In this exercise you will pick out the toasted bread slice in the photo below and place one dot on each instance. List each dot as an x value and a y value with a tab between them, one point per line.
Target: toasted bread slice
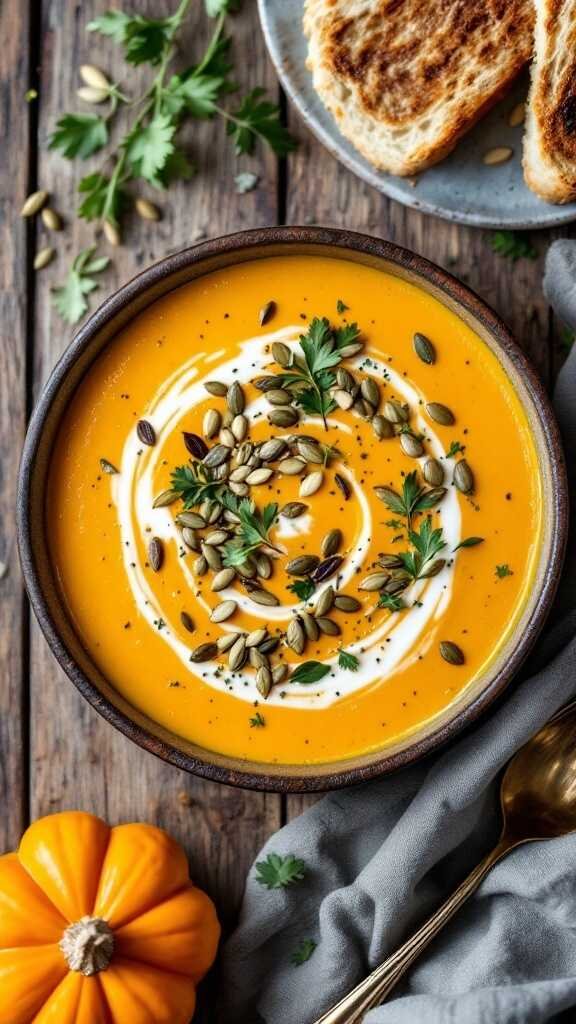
550	139
405	79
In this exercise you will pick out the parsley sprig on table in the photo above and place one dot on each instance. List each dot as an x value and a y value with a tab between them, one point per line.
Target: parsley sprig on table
70	298
514	245
149	148
277	872
311	376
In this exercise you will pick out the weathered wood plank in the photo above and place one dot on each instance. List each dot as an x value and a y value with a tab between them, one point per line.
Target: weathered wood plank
16	242
78	760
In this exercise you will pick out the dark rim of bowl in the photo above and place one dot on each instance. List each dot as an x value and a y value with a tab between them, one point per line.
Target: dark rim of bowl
346	241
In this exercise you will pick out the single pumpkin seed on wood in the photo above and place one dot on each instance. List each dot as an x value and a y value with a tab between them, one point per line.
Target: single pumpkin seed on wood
424	348
264	597
287	416
374	581
239	427
264	681
440	414
344	399
93	76
205	652
451	653
190	538
326	568
166	498
51	219
370	391
147	210
281	354
279	673
266	313
111	233
187	621
291	467
382	427
226	641
259	476
278	396
433	472
200	566
256	637
44	257
217	456
331	542
325	601
107	467
216	388
463	477
302	565
222	579
211	423
311	483
223	611
295	636
34	203
394	412
343	485
328	626
191	519
237	654
272	449
411	446
89	94
227	437
310	626
235	399
146	433
293	509
345	603
156	554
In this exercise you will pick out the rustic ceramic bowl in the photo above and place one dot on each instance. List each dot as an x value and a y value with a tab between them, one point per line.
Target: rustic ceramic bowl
84	349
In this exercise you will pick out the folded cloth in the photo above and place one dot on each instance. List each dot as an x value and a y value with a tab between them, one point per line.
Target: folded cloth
382	856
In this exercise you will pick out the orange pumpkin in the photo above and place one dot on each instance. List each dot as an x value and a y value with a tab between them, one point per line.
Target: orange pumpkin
101	925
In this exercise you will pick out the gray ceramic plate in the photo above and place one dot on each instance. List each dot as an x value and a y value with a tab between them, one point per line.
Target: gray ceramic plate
461	188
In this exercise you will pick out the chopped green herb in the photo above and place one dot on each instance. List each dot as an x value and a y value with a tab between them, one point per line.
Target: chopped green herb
341	307
348	661
469	542
503	570
277	872
513	245
257	721
303	589
303	952
454	449
309	672
255	527
194	483
414	497
258	118
70	297
394	524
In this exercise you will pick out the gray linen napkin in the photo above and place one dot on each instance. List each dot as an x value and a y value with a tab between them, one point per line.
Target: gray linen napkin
382	856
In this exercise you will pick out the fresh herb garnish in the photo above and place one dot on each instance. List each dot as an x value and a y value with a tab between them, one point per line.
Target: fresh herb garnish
277	872
309	672
255	528
341	307
311	378
414	497
454	449
469	542
194	483
392	602
503	570
303	952
70	297
257	722
302	588
394	524
514	245
427	543
348	661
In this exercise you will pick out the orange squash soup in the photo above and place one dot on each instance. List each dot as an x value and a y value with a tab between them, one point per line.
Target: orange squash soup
294	510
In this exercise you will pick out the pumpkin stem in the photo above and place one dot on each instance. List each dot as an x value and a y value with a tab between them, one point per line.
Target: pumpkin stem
88	945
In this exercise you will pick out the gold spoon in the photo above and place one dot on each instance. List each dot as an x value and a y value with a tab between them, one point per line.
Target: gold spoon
538	799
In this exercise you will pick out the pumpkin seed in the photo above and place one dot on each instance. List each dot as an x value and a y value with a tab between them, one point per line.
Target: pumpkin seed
382	427
267	312
205	652
107	467
285	417
265	383
344	400
295	636
396	585
433	472
200	566
51	219
216	388
310	626
263	565
259	476
93	76
302	565
196	445
497	155
264	597
434	495
272	449
293	509
111	233
156	554
239	427
247	570
147	210
324	601
279	673
311	483
517	115
192	519
240	490
222	579
257	659
394	412
269	644
411	446
264	681
256	637
235	399
217	456
34	204
146	433
424	349
326	568
463	477
363	408
440	414
390	562
374	581
190	539
281	354
187	622
328	626
44	257
216	537
223	611
310	452
345	380
347	351
227	437
370	391
237	654
165	498
278	396
239	475
343	485
433	569
388	495
244	453
221	472
331	542
226	641
451	653
211	423
291	467
345	603
212	556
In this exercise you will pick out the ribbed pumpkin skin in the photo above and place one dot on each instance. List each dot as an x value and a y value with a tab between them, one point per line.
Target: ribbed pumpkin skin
134	877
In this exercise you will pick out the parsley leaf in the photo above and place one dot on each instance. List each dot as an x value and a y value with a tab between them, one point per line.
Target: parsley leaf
341	307
70	297
148	149
79	135
258	118
348	661
503	570
216	7
255	527
112	24
513	245
303	952
277	872
469	542
414	497
303	589
257	722
144	39
101	196
193	483
454	449
392	602
311	378
309	672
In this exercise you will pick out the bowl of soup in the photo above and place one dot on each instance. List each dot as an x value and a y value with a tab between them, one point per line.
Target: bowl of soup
292	508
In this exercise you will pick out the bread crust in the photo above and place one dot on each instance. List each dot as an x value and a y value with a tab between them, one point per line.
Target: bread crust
405	79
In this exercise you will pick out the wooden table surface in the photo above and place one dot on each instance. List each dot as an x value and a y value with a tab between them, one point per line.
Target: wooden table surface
55	751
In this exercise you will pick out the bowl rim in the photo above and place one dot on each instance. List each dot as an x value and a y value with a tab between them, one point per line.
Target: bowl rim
254	776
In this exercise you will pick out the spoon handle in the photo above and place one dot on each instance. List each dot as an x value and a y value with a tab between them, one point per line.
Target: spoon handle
378	985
